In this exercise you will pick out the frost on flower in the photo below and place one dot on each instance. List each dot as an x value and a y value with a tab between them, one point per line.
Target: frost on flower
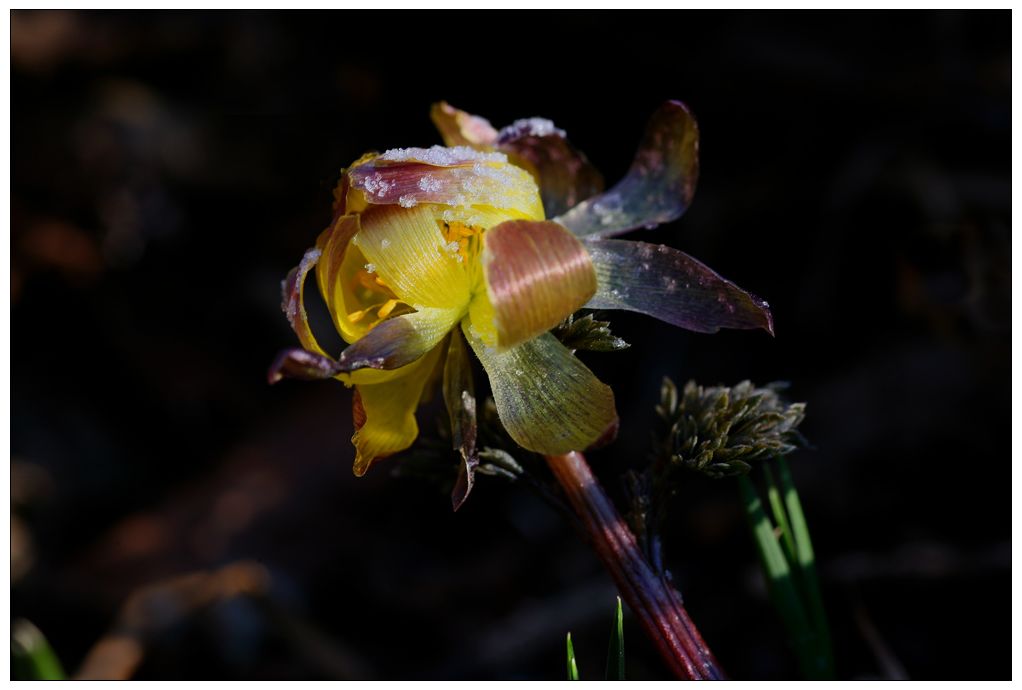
409	312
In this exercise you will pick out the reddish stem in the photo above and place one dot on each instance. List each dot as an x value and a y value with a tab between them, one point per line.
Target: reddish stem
655	602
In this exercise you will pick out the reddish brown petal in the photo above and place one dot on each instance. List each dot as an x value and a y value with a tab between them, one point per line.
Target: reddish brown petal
658	187
459	128
673	287
537	273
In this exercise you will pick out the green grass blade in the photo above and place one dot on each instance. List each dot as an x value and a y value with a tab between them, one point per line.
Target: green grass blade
780	584
807	564
572	666
31	655
780	516
616	648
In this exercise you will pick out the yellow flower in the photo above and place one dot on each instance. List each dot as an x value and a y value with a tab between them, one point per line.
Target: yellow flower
432	249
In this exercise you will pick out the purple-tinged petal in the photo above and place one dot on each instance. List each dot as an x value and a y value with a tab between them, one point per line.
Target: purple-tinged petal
293	300
399	340
459	128
565	175
671	286
459	397
296	363
458	176
537	273
658	187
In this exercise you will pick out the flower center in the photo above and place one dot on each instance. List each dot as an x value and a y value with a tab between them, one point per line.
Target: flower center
370	289
463	241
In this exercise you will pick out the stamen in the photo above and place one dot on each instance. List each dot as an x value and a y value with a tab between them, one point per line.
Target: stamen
370	287
462	240
387	307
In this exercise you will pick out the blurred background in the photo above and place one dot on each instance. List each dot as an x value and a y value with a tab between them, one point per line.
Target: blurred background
181	519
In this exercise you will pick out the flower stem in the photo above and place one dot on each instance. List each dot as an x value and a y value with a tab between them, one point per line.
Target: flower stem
656	603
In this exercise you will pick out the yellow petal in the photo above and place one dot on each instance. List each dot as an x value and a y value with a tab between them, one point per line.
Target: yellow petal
407	249
482	319
537	274
548	401
384	413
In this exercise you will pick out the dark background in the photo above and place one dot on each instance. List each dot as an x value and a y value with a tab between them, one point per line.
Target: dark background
168	169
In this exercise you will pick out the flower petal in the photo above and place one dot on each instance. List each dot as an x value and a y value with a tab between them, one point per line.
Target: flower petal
459	397
384	413
459	128
565	175
548	401
296	363
399	341
458	176
537	273
658	187
293	302
332	275
673	287
407	250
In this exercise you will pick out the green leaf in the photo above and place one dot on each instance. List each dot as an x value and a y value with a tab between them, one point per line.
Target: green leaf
780	583
32	657
780	516
807	564
616	649
572	666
